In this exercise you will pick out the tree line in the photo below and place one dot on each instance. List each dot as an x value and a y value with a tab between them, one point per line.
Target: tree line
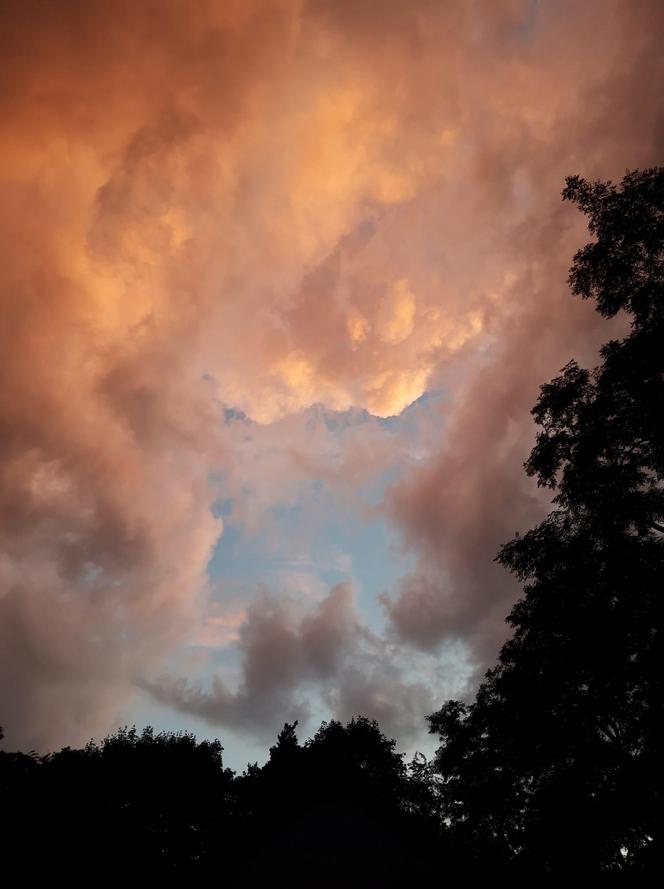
554	767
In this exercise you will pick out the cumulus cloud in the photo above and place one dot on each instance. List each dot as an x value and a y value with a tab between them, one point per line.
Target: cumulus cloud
299	660
281	651
269	204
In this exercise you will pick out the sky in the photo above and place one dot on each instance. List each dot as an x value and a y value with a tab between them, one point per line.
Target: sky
279	281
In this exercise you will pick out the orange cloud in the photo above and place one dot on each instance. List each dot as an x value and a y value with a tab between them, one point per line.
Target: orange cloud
274	204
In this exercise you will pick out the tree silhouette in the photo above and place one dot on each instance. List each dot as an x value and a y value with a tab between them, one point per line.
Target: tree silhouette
556	764
342	807
148	802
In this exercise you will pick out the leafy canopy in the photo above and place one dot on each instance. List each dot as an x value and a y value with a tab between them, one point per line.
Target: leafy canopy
556	764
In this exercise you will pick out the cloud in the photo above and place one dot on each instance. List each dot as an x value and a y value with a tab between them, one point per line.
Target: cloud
472	496
281	650
269	205
297	662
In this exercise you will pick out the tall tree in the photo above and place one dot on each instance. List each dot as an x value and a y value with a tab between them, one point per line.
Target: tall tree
556	764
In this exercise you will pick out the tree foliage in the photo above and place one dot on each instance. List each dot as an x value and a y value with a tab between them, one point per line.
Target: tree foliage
555	764
162	805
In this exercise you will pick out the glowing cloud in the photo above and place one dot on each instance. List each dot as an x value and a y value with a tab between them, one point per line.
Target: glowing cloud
268	205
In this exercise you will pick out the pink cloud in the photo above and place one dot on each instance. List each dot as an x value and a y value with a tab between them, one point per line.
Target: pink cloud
301	203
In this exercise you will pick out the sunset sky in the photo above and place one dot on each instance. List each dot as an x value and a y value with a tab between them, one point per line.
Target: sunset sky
279	282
